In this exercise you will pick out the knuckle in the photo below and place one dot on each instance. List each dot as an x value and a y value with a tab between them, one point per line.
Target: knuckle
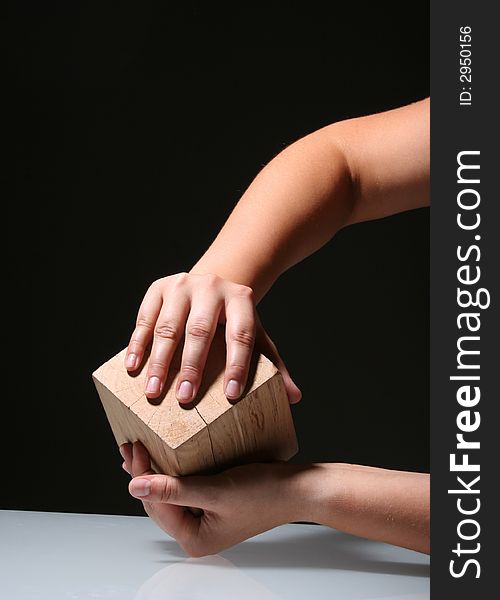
236	371
244	291
177	281
211	280
154	285
243	336
144	322
167	331
158	285
157	367
135	344
168	489
190	372
200	329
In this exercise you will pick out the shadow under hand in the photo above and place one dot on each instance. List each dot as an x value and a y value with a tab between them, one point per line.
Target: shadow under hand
316	547
328	549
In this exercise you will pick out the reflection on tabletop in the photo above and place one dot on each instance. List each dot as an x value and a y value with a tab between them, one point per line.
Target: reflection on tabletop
213	573
52	556
292	562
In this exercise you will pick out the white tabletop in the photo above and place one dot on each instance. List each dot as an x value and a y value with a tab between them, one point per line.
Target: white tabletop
72	556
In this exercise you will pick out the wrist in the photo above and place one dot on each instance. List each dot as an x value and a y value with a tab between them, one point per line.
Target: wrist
316	490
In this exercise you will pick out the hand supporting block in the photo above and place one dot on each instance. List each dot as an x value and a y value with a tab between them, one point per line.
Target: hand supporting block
212	433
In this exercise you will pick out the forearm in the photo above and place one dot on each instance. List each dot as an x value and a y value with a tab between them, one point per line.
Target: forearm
350	171
379	504
293	207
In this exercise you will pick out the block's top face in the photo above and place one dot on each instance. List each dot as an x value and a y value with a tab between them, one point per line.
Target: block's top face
171	421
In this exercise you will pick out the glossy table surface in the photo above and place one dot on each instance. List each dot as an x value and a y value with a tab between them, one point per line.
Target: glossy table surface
73	556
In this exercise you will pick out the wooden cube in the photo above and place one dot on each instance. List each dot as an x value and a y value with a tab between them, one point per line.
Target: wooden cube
212	433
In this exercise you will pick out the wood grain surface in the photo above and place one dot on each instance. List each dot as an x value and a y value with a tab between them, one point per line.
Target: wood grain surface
210	434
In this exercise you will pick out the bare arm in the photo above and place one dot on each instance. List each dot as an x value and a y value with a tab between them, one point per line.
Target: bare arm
351	171
379	504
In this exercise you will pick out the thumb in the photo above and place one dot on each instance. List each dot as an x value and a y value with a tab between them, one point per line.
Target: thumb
199	490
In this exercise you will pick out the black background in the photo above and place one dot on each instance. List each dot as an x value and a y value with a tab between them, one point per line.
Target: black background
137	128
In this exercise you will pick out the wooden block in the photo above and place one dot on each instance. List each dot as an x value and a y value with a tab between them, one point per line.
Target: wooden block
212	433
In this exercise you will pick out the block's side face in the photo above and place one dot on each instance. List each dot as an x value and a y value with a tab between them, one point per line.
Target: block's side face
268	407
179	440
128	427
285	429
119	417
258	428
176	438
196	455
171	422
116	379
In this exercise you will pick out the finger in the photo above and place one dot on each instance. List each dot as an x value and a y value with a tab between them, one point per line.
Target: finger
169	516
125	467
143	332
268	348
177	521
141	465
200	330
168	330
173	519
240	340
126	452
141	462
192	490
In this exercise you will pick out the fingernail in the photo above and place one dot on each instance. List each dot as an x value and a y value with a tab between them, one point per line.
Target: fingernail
153	386
233	389
140	487
131	360
185	391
